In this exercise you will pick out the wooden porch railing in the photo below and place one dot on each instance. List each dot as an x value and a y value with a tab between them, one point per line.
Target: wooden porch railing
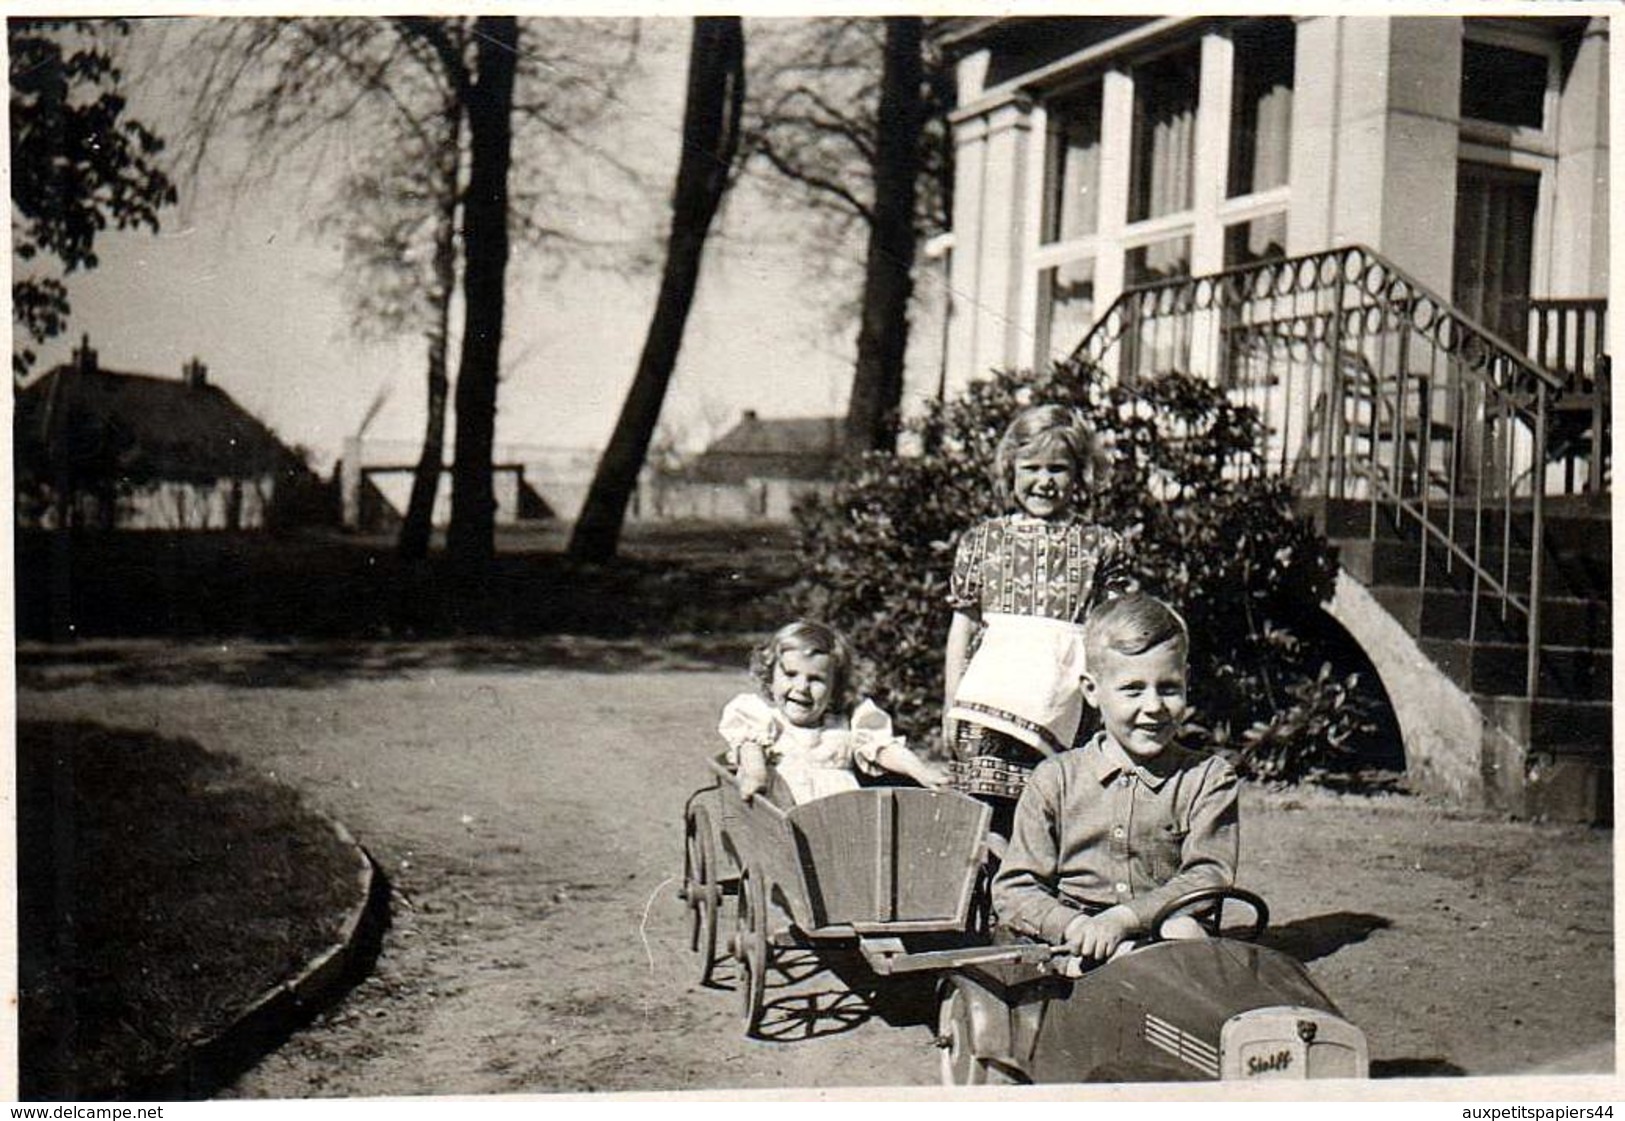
1570	338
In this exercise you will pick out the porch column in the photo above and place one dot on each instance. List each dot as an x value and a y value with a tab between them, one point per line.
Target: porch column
997	312
1212	167
990	223
1580	252
1374	137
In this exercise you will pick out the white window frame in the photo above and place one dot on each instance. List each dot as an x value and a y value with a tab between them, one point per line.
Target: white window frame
1204	223
1536	141
1521	147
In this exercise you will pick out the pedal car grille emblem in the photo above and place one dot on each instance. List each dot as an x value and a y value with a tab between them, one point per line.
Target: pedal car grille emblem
1307	1030
1182	1045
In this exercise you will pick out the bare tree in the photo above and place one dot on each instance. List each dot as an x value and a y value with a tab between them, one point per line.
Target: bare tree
711	134
438	102
397	222
849	115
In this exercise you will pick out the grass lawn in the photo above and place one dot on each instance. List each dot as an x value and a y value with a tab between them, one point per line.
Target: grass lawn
670	578
161	890
164	888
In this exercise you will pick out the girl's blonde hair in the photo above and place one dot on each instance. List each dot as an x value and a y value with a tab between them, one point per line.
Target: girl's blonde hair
806	637
1041	426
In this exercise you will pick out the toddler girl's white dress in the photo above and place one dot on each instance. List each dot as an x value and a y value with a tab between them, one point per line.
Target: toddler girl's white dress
813	762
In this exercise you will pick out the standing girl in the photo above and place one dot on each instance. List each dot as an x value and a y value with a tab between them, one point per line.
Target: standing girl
1029	577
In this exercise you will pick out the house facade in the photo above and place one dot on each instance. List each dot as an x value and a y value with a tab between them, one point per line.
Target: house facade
758	469
109	449
1388	236
1098	153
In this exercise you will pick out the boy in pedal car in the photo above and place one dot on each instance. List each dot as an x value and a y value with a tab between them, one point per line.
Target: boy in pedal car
1106	834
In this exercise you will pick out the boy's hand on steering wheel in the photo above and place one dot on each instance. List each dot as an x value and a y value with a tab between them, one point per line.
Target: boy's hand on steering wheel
1097	936
1182	927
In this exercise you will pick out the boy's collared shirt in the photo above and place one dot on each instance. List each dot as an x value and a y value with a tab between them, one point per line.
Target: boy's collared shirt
1095	828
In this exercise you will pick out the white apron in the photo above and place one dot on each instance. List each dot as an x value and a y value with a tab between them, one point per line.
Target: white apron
1024	681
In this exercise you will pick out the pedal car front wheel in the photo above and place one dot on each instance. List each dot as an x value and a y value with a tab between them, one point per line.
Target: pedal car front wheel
956	1035
750	946
701	889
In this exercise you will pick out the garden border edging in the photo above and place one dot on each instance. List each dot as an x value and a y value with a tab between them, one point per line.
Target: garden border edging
215	1060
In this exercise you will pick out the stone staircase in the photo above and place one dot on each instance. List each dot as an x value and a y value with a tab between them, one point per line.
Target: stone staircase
1437	455
1553	754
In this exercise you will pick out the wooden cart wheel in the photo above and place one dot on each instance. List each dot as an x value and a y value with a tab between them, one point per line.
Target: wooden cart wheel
955	1037
701	889
750	947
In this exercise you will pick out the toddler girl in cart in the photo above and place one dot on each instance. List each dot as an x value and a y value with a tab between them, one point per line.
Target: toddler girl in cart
1025	580
796	728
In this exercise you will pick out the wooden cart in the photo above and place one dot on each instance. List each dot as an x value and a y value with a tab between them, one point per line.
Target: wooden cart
893	868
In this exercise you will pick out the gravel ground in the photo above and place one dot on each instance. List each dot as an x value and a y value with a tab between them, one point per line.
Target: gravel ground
526	801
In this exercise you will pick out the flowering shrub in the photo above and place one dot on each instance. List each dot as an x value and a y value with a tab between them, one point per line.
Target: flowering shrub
1209	531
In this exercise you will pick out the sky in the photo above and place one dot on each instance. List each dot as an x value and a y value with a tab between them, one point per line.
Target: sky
241	279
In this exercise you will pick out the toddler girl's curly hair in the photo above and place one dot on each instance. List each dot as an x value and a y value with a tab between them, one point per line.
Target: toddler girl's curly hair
1039	428
807	637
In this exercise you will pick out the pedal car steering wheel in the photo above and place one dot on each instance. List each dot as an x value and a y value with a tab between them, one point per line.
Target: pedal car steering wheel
1261	912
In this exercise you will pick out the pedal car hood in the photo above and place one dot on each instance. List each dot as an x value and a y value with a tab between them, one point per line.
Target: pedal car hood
1198	985
1157	1014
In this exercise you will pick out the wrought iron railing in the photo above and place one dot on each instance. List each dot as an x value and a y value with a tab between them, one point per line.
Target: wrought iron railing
1372	388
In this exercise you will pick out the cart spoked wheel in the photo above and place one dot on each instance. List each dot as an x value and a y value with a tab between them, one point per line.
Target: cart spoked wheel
750	946
701	889
955	1033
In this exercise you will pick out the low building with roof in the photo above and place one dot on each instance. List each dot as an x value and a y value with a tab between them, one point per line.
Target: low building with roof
109	449
793	448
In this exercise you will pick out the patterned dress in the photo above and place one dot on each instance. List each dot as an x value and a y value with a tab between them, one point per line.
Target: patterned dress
1033	583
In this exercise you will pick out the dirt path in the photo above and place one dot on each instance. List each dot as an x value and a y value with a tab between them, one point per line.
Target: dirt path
527	805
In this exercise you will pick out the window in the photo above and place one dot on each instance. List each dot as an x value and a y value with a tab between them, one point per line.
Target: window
1161	260
1262	239
1066	305
1135	126
1072	174
1503	84
1261	106
1163	155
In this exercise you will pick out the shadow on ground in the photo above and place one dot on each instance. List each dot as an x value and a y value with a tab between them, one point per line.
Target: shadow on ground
324	587
139	848
813	994
1415	1068
312	665
1321	936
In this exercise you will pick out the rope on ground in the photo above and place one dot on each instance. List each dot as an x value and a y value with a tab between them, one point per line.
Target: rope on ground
643	926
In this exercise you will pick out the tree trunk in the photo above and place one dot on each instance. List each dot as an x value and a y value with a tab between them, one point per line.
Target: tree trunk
470	541
419	522
877	382
711	118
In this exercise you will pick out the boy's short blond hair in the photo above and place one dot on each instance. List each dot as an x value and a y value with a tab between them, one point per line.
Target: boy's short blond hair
1132	624
807	637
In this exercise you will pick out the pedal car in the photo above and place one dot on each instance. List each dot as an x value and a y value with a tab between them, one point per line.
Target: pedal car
1165	1011
903	873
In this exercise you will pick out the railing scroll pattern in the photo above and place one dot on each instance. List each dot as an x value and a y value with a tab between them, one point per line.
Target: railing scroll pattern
1372	389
